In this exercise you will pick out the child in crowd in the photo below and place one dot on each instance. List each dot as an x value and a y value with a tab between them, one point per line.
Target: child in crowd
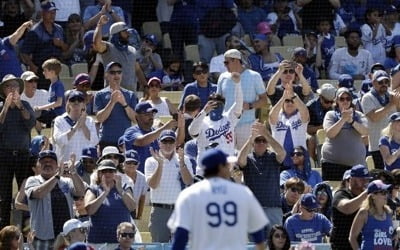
56	105
326	41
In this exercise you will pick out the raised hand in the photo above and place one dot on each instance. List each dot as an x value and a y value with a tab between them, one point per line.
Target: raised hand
103	19
210	105
104	184
156	155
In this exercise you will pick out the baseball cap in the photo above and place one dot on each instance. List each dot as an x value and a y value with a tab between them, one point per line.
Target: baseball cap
309	201
394	70
380	75
151	38
28	75
261	37
165	134
145	107
80	246
47	154
111	150
376	186
154	79
395	117
118	27
81	79
376	66
212	158
76	94
72	224
233	53
299	51
111	64
121	140
346	175
327	91
343	90
48	6
88	40
264	28
36	145
89	152
346	81
360	171
131	155
106	164
390	9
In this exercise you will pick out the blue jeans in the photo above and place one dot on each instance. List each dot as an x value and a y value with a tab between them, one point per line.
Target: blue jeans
207	46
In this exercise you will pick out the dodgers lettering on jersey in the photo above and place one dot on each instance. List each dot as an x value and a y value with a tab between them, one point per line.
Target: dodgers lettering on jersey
280	126
224	130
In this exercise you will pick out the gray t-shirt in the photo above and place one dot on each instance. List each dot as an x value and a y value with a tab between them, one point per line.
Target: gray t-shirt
347	147
127	58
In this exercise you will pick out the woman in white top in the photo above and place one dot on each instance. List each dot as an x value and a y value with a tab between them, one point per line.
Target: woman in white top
73	130
162	104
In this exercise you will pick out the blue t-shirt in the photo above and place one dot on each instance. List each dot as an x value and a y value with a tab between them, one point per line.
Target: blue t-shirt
308	230
9	61
106	219
393	147
130	135
194	89
250	19
266	70
309	74
118	121
56	90
327	49
377	234
390	63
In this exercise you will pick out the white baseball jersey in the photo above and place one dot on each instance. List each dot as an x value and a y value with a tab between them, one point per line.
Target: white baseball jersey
218	214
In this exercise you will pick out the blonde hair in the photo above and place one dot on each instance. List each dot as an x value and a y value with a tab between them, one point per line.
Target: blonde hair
369	205
52	64
388	130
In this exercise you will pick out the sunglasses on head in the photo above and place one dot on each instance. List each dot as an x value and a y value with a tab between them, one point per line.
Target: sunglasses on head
296	190
289	71
199	72
126	235
298	154
114	72
343	99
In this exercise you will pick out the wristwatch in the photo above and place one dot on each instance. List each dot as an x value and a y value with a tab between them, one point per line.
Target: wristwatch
250	105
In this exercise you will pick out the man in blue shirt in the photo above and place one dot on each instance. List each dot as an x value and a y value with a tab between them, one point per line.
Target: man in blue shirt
114	106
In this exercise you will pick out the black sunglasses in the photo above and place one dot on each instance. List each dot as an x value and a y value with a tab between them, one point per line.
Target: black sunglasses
199	72
125	235
74	99
289	71
298	154
289	101
311	210
296	190
168	141
342	99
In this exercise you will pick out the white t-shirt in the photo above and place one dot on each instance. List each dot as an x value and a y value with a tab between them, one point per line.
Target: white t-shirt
40	98
214	209
162	107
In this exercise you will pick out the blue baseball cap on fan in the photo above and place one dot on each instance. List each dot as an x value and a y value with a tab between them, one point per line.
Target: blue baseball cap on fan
212	158
48	6
346	81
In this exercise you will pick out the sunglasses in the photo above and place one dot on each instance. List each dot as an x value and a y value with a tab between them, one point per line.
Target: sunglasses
279	236
111	157
76	99
260	141
168	141
311	210
132	162
298	154
322	193
343	99
288	101
199	72
383	82
296	190
11	85
289	71
105	171
115	72
126	235
326	101
33	80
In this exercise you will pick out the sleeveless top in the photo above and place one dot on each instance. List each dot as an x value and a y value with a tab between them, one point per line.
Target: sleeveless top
377	234
162	107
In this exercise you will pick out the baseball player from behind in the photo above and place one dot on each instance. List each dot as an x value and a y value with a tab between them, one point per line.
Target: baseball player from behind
209	211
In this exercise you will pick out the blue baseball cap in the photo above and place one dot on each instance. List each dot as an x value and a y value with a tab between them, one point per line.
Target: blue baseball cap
81	79
48	6
145	107
47	154
261	37
121	140
309	201
110	64
168	133
80	246
212	158
346	81
131	155
359	171
76	94
151	38
395	117
394	70
377	185
36	145
89	152
390	9
88	40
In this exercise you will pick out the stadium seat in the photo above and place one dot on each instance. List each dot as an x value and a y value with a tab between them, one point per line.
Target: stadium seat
78	68
146	237
285	51
192	53
340	42
173	96
293	40
370	162
166	41
148	246
68	82
65	72
331	81
152	28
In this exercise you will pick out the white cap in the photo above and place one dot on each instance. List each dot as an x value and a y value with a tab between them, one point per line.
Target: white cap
327	91
118	27
233	53
28	75
72	224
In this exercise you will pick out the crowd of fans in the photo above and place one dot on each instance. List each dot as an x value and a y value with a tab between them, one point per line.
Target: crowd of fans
108	149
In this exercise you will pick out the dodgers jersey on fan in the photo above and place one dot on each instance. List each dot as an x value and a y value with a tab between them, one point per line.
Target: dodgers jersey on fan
218	214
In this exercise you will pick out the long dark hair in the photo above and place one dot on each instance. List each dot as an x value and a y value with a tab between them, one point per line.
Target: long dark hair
275	228
7	235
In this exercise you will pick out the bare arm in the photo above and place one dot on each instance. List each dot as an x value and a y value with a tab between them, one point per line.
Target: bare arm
349	206
155	178
244	151
51	105
93	203
140	75
358	223
98	44
302	108
14	37
187	177
388	157
275	110
148	138
126	195
273	81
42	190
139	212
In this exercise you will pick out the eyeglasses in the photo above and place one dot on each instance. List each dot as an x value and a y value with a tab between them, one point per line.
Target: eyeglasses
125	235
322	193
289	71
381	192
288	101
343	99
104	171
199	72
326	101
384	82
168	141
76	99
114	72
298	154
311	210
296	190
260	141
279	236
